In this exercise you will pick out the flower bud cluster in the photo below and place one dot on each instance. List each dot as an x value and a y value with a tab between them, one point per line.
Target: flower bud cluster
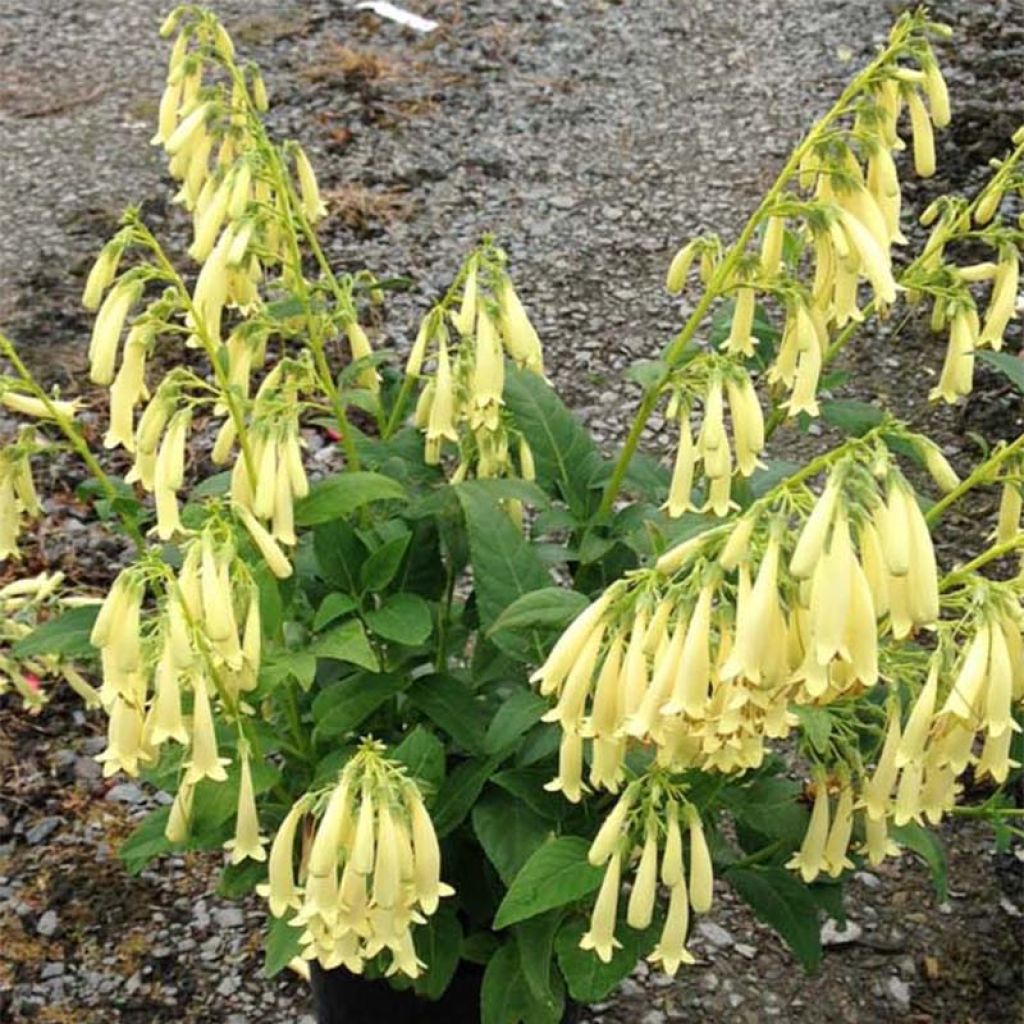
18	498
371	870
203	643
461	400
647	826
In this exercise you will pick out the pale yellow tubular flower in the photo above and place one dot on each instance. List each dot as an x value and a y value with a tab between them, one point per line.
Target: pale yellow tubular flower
612	831
1002	306
924	138
640	909
204	761
284	511
999	695
111	610
701	870
309	190
876	792
988	204
957	375
208	222
712	443
276	559
27	405
634	666
563	655
995	761
810	859
741	340
915	735
641	722
363	852
938	94
893	526
966	697
601	935
519	335
466	316
883	181
426	854
188	130
488	381
247	842
386	875
605	716
179	822
1008	519
671	949
266	478
875	263
939	468
803	397
673	870
747	423
569	709
835	860
124	739
831	588
877	844
441	419
360	348
165	721
569	780
922	578
418	352
754	626
771	245
679	268
101	275
690	689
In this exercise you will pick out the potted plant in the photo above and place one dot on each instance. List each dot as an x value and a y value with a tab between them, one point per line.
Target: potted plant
440	704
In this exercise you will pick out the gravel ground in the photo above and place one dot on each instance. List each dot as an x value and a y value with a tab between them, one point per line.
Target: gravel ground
591	138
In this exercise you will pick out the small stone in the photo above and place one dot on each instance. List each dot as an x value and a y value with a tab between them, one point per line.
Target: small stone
125	793
48	924
229	917
899	991
653	1017
833	935
228	986
53	969
630	989
42	830
868	880
746	951
709	982
716	934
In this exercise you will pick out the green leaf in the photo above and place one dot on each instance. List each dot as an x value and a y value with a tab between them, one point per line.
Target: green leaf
851	417
333	606
504	997
509	831
146	842
928	846
382	565
536	940
557	873
816	724
344	705
459	791
341	495
1008	365
784	903
550	607
423	754
347	642
527	784
515	716
565	454
770	806
452	707
438	944
236	880
281	947
339	555
66	634
589	980
402	618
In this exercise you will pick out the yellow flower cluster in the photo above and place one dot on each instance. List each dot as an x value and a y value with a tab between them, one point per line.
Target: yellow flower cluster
461	401
652	834
371	871
727	381
20	603
196	647
18	498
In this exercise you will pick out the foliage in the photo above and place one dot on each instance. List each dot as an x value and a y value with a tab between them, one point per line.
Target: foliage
347	665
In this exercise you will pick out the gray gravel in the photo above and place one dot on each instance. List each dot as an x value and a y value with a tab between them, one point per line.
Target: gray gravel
591	138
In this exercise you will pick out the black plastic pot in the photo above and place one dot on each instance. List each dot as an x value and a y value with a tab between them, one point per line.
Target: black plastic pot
340	997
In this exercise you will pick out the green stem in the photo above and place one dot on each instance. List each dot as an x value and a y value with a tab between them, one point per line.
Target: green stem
983	474
75	439
723	274
993	554
210	347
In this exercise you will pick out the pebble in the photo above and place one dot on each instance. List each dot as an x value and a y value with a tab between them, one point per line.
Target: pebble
48	924
42	830
53	969
867	879
833	935
126	793
716	934
229	917
899	991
